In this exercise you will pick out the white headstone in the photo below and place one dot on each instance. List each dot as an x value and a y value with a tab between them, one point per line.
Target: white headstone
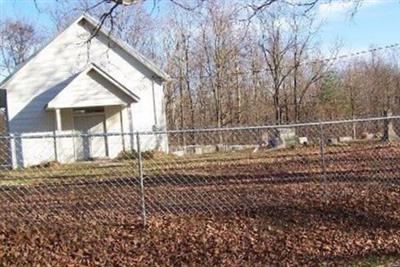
333	141
303	141
179	153
345	139
367	136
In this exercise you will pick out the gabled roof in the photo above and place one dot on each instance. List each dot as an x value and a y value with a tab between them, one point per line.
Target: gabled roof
60	101
94	23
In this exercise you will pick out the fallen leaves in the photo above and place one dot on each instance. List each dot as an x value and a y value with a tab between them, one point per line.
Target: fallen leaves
291	228
250	212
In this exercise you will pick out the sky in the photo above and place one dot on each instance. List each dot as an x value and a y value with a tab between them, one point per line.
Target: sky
26	9
376	23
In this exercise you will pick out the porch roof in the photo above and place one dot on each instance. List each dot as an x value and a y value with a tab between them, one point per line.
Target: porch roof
92	87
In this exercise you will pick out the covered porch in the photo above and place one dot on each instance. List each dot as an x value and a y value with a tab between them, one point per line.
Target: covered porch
93	105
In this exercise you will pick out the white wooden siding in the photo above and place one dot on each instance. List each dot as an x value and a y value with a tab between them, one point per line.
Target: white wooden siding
42	79
89	90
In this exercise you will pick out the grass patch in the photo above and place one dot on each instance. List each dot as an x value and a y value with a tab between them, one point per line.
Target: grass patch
379	261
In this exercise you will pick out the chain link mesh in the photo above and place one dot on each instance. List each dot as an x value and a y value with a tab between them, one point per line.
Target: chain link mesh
201	171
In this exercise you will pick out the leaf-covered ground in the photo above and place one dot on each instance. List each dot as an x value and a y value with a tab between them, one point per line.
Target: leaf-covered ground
293	225
271	208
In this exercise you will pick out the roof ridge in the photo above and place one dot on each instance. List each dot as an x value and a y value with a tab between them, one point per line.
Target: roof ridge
128	48
85	16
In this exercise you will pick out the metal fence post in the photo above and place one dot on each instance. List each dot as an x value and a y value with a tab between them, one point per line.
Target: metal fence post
140	169
322	154
55	146
12	152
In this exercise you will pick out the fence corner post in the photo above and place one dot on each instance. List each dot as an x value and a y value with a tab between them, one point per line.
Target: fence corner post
140	170
323	160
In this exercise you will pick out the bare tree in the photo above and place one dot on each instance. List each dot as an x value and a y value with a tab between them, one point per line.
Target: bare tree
276	46
227	71
259	6
18	40
304	75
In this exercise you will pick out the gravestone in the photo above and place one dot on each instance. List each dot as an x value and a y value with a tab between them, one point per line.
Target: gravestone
208	149
378	136
288	136
279	138
265	139
179	153
303	141
367	136
389	134
345	139
333	141
198	150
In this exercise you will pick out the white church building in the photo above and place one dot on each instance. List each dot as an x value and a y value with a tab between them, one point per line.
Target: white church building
73	88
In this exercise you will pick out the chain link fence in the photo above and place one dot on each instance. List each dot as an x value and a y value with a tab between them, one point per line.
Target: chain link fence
62	177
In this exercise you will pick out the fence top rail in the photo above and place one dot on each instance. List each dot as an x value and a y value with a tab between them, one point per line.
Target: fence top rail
200	130
295	125
61	135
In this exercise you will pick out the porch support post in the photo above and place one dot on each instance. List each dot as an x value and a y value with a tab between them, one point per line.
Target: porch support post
130	121
58	129
154	103
58	120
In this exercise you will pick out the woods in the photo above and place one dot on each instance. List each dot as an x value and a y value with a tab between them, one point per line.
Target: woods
95	171
270	71
233	64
